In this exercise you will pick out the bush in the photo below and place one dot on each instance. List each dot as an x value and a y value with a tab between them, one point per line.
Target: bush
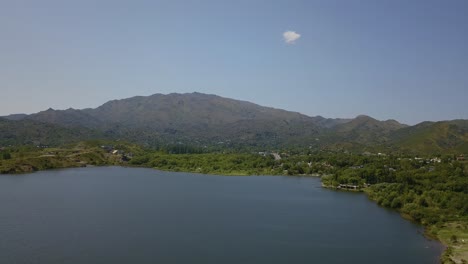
453	239
6	156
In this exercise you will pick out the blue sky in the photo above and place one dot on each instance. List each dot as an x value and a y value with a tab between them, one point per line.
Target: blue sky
406	60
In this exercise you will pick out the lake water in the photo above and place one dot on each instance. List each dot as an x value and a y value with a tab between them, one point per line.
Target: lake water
133	215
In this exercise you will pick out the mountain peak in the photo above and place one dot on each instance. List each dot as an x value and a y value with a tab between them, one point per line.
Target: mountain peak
198	118
364	117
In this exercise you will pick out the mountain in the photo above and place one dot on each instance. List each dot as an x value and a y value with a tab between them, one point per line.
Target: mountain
15	116
433	137
359	133
329	122
68	118
189	118
210	120
365	129
30	132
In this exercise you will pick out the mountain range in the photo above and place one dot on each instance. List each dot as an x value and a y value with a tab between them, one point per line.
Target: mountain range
209	120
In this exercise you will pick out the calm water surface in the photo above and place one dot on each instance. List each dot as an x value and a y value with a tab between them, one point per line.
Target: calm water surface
129	215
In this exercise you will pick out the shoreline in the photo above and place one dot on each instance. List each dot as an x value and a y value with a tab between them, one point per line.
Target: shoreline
446	254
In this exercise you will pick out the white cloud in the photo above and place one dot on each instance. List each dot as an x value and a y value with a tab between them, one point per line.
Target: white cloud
290	37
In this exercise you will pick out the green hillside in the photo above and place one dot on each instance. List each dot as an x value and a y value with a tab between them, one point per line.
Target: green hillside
29	132
212	122
433	137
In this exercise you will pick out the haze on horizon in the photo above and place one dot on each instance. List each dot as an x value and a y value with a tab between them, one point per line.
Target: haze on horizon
403	60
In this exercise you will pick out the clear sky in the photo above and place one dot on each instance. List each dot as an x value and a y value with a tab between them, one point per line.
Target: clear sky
406	60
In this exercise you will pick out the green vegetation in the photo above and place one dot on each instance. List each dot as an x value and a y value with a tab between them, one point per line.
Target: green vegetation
208	163
455	236
209	122
33	133
28	159
6	156
433	137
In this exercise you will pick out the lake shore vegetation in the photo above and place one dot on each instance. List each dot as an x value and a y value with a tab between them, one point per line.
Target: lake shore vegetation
431	190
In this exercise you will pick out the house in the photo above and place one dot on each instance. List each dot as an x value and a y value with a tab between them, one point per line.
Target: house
421	160
461	157
348	187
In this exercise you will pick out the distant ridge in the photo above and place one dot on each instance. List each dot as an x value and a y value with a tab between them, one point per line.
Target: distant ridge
211	120
15	116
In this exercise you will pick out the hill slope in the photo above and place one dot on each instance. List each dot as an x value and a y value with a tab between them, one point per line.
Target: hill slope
201	120
359	133
433	137
29	132
367	129
189	118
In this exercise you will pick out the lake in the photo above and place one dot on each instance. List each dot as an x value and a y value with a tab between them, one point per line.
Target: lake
135	215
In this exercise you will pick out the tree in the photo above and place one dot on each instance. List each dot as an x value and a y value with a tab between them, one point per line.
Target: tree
6	156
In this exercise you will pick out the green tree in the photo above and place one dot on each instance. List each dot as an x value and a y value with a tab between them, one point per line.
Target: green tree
6	156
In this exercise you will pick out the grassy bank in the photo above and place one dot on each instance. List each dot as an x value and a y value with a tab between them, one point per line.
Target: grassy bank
454	235
29	159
